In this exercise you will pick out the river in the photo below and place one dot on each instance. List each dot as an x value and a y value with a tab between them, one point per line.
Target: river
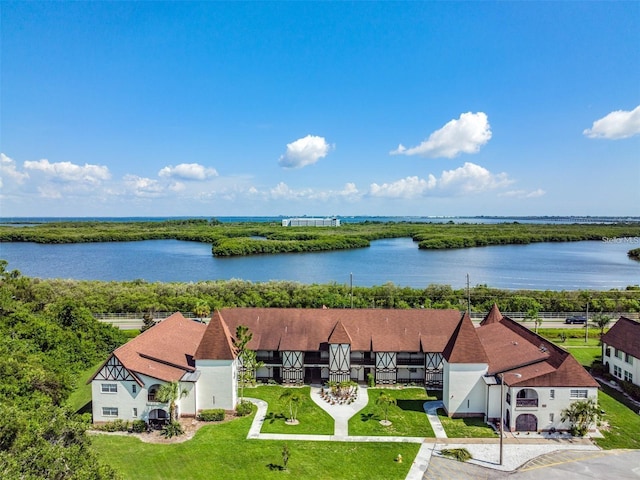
594	265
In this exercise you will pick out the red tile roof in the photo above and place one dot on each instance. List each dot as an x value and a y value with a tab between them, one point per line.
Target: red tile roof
625	336
339	334
464	345
494	316
216	342
165	351
382	330
513	348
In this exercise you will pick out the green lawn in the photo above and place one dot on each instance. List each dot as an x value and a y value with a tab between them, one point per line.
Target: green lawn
313	420
80	398
624	431
408	417
222	452
465	427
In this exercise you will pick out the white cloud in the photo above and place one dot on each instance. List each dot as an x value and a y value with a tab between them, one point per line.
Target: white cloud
304	151
524	194
9	171
404	188
616	125
141	186
188	171
69	172
472	178
464	135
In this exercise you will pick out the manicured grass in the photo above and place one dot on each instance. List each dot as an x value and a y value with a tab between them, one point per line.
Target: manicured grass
408	417
465	427
313	420
624	431
222	452
585	355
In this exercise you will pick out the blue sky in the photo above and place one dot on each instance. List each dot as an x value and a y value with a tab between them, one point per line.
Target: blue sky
410	108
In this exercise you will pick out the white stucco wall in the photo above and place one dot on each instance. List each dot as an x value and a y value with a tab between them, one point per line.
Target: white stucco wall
464	390
612	360
218	384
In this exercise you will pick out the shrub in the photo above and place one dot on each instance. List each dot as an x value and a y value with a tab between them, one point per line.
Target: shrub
244	408
172	429
371	380
211	415
138	426
631	389
114	426
460	454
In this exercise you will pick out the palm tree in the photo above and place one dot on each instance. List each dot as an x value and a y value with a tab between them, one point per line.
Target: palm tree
201	309
384	401
581	414
293	398
534	316
170	393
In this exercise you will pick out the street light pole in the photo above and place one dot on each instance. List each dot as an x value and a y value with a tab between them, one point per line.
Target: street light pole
501	376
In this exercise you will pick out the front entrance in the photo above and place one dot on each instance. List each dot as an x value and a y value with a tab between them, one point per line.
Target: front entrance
312	375
526	422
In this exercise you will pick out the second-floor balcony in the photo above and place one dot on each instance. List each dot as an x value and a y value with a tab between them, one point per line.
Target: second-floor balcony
526	402
411	361
315	359
268	358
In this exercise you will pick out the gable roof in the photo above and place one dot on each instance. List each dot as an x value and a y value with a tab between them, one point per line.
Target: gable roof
165	351
464	345
625	336
513	348
378	330
339	334
216	342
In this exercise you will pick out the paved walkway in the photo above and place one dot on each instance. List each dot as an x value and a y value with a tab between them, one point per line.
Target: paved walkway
517	450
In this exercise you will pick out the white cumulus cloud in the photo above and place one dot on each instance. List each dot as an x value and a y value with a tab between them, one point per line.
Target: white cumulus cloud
304	151
141	186
188	171
616	125
69	172
8	171
404	188
464	135
524	193
472	178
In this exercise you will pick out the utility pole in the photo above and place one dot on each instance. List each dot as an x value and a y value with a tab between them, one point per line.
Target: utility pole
586	326
468	297
351	283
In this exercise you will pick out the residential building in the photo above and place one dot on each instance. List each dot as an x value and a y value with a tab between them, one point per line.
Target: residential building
311	222
621	350
439	349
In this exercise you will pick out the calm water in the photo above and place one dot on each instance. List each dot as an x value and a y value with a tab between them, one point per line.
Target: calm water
554	266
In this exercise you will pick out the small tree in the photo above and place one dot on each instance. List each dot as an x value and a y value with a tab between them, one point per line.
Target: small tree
201	309
293	398
581	414
534	315
384	402
601	321
249	364
147	322
170	393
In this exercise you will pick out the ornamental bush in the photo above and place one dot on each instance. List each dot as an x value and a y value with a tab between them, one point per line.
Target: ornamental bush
243	408
138	426
172	429
211	415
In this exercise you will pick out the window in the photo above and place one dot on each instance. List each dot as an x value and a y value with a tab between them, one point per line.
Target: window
618	353
509	398
617	371
109	388
578	394
628	376
551	417
134	388
628	358
552	394
607	352
109	412
135	412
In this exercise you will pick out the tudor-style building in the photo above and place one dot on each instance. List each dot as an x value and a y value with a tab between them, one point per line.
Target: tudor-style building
621	350
440	349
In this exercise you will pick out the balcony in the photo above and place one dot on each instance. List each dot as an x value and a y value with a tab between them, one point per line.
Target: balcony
526	402
269	359
411	361
315	359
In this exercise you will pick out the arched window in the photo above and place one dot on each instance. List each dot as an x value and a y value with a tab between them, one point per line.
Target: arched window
152	392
